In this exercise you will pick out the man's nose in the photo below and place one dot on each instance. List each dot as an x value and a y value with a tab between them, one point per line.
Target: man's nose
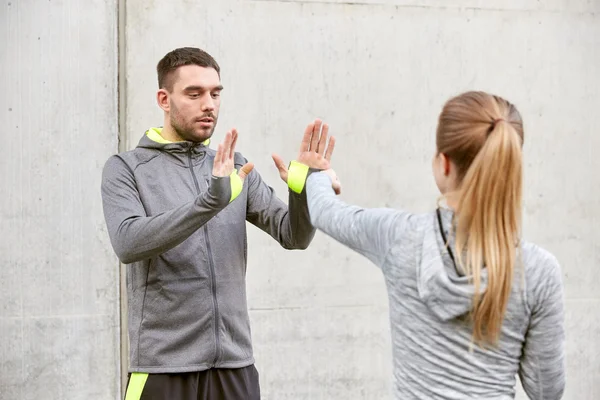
208	103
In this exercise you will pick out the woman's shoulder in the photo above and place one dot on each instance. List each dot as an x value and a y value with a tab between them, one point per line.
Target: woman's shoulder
543	273
537	260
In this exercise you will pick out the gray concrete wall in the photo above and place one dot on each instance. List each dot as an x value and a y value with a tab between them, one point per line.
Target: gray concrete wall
379	72
59	299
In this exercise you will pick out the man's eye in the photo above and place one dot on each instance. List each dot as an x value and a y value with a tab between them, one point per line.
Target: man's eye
215	95
194	95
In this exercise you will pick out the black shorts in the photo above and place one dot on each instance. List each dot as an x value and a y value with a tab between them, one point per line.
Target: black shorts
212	384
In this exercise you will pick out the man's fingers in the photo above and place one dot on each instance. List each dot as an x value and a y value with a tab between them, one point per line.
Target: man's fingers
323	139
330	147
218	164
245	170
219	155
314	142
279	163
283	171
234	137
226	147
305	145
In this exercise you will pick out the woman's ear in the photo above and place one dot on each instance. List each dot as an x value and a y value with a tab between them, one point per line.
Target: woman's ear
446	164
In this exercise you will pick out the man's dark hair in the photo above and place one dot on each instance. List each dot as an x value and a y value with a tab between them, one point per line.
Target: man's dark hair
178	58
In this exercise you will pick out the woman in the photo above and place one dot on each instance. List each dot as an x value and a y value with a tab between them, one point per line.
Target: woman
471	303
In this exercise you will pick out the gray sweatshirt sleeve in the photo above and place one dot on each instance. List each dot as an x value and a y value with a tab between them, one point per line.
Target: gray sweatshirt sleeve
136	236
370	232
289	225
542	369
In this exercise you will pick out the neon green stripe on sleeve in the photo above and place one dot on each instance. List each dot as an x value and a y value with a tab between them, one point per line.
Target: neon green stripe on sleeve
236	185
297	173
137	381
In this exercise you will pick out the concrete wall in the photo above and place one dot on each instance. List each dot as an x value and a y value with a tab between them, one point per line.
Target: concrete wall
379	72
59	299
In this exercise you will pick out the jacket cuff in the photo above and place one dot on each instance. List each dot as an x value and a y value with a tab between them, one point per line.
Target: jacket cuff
297	175
221	189
236	184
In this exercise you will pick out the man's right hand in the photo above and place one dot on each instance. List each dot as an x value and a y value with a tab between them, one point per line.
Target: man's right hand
223	165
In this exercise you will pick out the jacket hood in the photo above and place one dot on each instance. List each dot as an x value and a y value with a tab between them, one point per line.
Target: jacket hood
446	293
152	139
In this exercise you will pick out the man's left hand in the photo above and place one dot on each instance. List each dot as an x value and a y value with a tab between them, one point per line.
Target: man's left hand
315	151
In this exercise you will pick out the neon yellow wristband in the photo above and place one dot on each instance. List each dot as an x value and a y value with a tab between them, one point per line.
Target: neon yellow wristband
236	185
297	173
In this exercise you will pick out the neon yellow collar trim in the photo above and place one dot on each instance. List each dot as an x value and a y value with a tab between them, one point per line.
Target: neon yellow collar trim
154	134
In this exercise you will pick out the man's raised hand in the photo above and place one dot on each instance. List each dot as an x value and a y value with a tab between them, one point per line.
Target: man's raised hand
315	150
223	165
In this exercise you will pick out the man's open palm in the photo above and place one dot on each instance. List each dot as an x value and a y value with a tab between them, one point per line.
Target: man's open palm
223	164
315	151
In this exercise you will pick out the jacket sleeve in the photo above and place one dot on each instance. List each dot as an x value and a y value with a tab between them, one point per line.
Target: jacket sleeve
136	236
370	232
542	367
288	224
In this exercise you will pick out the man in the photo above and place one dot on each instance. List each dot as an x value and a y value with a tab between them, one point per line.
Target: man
175	211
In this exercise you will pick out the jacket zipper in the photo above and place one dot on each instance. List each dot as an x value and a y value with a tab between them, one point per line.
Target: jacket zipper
211	269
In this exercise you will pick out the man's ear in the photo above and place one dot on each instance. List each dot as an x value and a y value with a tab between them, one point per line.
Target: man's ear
162	98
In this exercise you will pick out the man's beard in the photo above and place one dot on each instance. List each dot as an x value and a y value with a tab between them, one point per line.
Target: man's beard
187	131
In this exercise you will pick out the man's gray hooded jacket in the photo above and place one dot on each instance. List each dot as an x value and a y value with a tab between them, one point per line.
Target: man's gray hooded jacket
184	238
